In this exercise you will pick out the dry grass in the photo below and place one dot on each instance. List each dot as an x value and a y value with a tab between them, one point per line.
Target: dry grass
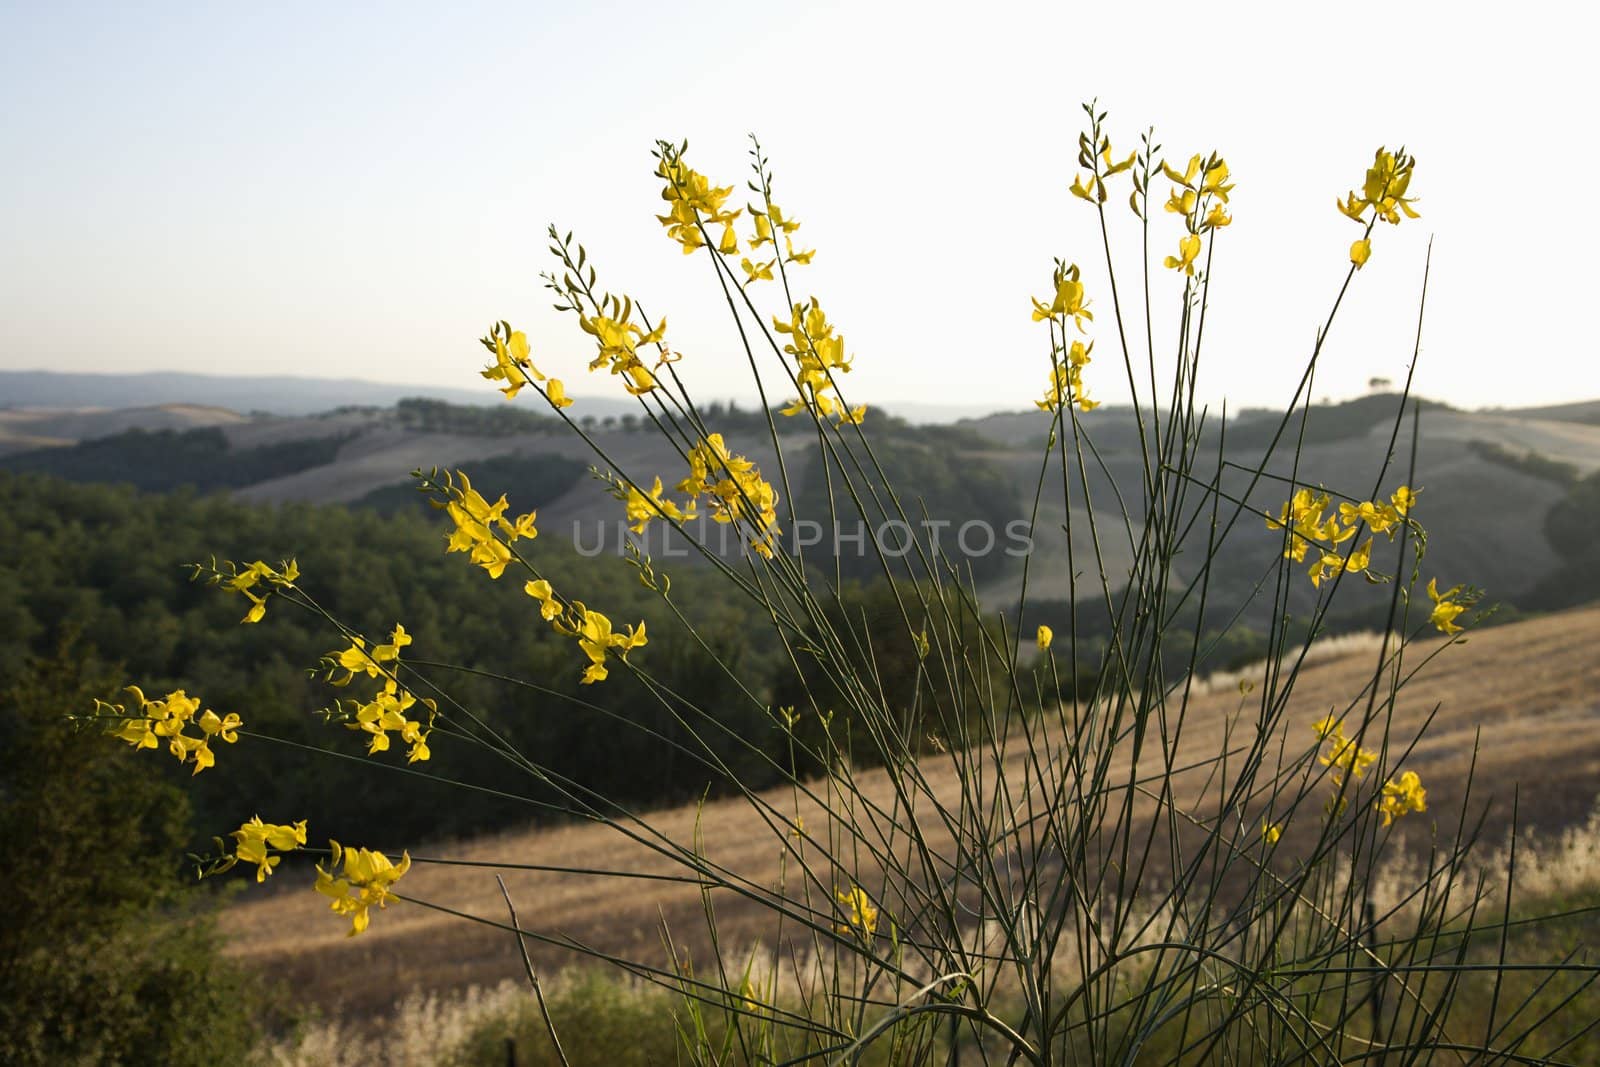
1526	697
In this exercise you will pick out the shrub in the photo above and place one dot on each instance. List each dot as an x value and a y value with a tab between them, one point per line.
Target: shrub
1039	867
105	955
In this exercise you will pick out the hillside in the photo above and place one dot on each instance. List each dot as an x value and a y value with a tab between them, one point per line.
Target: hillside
1525	698
980	469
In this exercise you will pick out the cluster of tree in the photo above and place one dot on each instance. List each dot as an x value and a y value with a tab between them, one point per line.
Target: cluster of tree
531	481
1570	528
1533	464
501	420
108	564
1323	423
107	950
160	460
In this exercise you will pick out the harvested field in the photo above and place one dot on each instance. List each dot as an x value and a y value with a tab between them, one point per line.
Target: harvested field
1527	696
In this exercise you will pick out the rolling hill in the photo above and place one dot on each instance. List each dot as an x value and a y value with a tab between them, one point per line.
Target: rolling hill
1487	478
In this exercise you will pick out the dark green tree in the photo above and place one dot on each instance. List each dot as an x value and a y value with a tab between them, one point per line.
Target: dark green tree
107	951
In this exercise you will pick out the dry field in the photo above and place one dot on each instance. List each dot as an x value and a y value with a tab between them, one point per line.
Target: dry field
1532	689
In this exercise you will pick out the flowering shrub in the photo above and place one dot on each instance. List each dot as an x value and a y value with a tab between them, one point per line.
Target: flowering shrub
1091	886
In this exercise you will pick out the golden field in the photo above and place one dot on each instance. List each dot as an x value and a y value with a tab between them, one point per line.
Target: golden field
1524	697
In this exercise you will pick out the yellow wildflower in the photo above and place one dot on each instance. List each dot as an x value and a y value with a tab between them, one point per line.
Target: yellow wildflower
1092	189
1270	832
1182	201
365	881
248	579
694	200
1402	796
735	490
594	632
256	840
596	638
1446	606
1188	251
513	363
642	507
757	272
861	915
477	521
1066	381
819	352
1045	636
541	590
556	393
1385	188
1342	754
619	340
1068	299
1302	515
1360	252
167	720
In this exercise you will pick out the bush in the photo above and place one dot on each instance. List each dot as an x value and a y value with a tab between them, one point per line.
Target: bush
1039	868
106	956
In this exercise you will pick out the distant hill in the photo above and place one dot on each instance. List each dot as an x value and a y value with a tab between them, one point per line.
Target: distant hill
277	394
1489	479
289	395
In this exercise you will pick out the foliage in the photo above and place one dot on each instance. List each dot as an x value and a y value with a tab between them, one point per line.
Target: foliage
109	563
1325	423
530	480
1570	528
1533	464
105	955
1089	888
438	416
168	459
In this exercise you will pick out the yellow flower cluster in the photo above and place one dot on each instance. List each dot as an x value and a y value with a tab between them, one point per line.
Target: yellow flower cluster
389	707
1199	195
1066	381
861	915
1401	796
476	522
735	491
513	364
592	629
1068	300
1446	606
642	507
1066	376
1303	516
819	351
166	720
1092	187
248	579
1384	192
694	202
257	840
365	882
1342	754
769	224
619	339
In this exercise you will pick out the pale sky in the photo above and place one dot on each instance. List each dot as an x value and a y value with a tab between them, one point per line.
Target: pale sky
358	190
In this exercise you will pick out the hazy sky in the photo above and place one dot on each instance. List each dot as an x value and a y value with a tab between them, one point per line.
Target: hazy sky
358	190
